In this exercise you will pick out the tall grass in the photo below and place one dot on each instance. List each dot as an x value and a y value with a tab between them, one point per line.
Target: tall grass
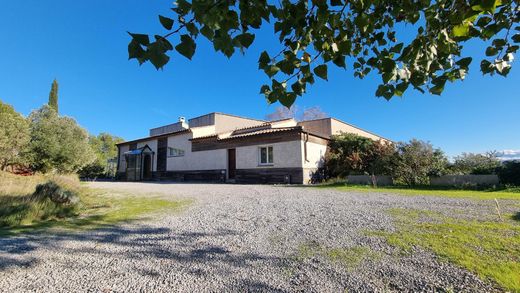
20	206
22	210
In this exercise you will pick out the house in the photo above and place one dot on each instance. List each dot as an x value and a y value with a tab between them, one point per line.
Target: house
229	148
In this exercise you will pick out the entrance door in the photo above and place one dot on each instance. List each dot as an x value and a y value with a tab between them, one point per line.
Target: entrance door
232	163
147	167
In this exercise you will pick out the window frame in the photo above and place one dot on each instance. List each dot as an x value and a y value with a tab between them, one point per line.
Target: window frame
267	148
169	155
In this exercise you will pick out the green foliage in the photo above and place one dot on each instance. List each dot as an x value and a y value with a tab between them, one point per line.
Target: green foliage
509	173
313	34
57	143
415	161
104	148
488	248
469	163
14	136
350	153
54	192
53	96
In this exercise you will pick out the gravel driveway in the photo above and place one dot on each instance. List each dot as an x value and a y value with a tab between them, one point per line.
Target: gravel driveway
238	238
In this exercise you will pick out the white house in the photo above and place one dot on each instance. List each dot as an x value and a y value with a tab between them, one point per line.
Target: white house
228	148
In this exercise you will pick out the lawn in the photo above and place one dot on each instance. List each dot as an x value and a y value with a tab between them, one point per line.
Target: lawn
97	208
509	193
491	249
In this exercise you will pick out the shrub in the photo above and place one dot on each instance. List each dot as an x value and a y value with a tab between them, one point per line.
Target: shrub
477	164
350	153
509	173
58	195
416	160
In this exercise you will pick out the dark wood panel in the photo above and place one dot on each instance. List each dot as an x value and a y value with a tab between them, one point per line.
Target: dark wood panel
162	153
232	163
197	175
213	143
270	175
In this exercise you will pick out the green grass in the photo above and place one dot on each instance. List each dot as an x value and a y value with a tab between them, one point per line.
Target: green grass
488	248
97	208
349	257
510	193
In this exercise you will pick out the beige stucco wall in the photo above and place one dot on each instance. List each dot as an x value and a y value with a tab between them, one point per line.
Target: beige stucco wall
203	160
224	123
330	126
338	127
285	155
203	130
284	123
122	162
315	156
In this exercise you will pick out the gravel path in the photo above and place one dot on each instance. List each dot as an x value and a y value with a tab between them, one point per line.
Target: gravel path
238	238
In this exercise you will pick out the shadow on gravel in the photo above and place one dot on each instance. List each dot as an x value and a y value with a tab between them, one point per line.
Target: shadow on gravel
181	250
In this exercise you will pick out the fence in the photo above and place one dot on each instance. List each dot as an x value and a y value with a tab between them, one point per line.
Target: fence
461	180
367	180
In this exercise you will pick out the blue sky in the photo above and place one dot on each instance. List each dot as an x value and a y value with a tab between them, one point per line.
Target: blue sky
84	45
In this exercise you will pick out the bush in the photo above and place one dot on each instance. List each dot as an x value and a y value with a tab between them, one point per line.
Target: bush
416	160
353	154
476	164
58	195
509	173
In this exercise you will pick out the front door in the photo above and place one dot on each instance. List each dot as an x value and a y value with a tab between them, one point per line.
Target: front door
147	167
232	163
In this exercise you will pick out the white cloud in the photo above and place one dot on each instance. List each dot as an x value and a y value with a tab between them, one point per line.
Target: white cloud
507	155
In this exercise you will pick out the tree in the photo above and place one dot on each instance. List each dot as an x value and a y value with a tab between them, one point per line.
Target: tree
509	173
104	148
282	112
14	136
366	34
416	160
350	153
469	163
57	143
53	96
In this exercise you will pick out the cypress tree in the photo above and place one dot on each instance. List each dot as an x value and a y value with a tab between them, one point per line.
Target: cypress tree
53	96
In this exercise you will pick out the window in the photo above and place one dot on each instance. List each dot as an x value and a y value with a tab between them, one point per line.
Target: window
173	152
266	155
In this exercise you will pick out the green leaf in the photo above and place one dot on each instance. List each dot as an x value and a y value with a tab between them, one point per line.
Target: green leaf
287	99
461	30
245	39
464	62
135	50
516	38
264	60
207	32
491	51
397	48
271	70
157	56
321	71
166	22
437	90
140	38
192	29
340	61
186	47
265	89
